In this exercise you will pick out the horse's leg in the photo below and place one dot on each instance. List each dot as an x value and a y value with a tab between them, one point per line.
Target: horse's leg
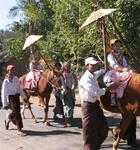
123	127
45	106
46	109
41	101
27	102
30	109
22	111
23	106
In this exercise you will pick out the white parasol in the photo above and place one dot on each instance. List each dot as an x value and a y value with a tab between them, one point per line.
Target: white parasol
96	15
99	15
30	40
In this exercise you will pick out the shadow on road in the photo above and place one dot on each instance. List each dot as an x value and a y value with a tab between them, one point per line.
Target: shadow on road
77	122
42	133
122	146
106	146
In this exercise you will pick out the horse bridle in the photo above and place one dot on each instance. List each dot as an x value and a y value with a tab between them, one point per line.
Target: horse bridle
53	86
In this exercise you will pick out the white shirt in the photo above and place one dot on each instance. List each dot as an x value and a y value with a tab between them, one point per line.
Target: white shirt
113	62
88	86
10	88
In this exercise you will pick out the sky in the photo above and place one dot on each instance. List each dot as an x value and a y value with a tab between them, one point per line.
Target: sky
5	6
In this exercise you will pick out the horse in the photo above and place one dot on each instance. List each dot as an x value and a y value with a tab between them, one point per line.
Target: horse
49	79
128	105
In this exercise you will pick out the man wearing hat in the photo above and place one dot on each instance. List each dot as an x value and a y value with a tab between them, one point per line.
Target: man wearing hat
10	93
94	123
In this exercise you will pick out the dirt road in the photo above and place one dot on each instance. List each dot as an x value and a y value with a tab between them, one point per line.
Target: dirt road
55	137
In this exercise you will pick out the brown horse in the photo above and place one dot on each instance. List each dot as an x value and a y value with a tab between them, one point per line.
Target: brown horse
50	79
128	105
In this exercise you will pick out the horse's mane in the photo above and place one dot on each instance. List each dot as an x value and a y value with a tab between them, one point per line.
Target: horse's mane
48	73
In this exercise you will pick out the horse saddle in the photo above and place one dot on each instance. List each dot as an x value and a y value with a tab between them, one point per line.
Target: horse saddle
117	81
31	80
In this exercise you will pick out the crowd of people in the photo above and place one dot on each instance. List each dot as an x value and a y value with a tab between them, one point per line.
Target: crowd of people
93	120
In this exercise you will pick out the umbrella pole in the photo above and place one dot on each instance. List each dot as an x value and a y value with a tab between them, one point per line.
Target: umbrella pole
121	37
45	61
104	42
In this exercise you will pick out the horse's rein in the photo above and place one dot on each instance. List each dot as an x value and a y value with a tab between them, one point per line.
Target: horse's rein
54	86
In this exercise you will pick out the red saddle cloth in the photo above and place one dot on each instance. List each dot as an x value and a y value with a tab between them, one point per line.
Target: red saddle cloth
123	79
31	79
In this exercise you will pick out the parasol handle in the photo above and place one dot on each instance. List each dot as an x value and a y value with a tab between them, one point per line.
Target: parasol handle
45	61
102	21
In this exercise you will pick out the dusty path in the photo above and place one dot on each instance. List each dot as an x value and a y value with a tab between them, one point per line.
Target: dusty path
56	137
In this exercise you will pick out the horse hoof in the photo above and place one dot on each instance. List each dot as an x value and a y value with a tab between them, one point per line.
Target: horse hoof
48	124
44	121
35	121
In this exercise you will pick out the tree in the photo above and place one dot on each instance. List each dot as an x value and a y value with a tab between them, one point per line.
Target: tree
59	21
37	20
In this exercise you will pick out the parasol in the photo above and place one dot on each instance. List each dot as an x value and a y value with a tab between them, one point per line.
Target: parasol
99	15
96	15
30	40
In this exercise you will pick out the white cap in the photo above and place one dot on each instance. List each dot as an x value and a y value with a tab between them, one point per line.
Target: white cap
91	60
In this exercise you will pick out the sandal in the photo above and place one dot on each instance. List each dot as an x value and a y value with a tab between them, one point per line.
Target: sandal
6	125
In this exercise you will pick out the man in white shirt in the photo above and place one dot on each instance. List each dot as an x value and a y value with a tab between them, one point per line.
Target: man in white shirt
10	93
94	123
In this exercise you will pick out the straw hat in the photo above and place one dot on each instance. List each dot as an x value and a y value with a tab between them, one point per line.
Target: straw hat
113	41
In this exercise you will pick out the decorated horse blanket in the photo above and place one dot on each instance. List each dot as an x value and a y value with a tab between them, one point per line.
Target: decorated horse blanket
32	78
120	79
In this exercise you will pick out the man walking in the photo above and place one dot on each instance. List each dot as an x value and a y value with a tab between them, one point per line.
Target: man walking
70	85
10	97
95	128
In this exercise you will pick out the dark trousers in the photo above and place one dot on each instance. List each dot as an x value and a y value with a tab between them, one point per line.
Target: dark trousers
15	115
69	101
95	129
58	109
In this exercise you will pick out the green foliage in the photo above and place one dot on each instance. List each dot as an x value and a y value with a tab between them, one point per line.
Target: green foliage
130	18
59	21
15	48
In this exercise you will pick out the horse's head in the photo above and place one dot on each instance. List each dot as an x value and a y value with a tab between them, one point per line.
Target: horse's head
54	78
